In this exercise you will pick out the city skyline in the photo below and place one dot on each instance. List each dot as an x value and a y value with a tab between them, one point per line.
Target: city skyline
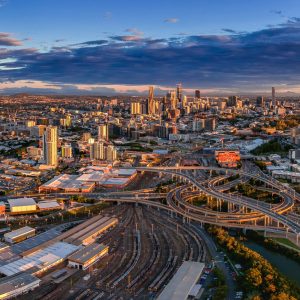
233	47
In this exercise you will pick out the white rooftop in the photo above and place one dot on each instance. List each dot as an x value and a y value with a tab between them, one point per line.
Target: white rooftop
41	259
183	282
21	202
18	232
48	204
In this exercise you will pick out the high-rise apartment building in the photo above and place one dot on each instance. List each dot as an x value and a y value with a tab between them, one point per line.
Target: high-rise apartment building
260	102
111	153
97	151
66	151
273	97
103	132
136	108
179	92
151	100
50	146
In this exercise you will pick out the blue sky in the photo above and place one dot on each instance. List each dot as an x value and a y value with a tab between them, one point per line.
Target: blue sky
101	46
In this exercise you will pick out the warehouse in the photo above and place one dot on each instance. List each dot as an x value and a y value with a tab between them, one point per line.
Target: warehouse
22	205
2	208
181	285
19	284
19	235
87	256
48	205
41	260
89	234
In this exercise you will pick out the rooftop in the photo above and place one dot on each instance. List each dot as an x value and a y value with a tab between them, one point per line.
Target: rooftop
41	259
87	253
18	232
21	202
9	284
182	283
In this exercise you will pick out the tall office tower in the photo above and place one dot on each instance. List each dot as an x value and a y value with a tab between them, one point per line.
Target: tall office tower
179	92
111	153
66	151
136	108
37	131
86	136
173	100
260	101
97	151
50	145
103	132
197	94
273	97
198	124
151	100
210	124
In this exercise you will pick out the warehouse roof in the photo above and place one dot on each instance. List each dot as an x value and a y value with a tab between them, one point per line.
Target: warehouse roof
9	284
18	232
48	204
182	283
21	202
41	259
84	255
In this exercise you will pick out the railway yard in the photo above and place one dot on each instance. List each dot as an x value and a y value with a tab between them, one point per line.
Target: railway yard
146	248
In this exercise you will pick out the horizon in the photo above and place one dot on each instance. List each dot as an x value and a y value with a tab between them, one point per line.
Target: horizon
233	47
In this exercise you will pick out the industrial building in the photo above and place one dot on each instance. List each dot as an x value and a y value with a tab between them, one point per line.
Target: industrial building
87	256
19	235
67	183
183	282
22	205
48	205
228	158
19	284
89	234
40	260
2	207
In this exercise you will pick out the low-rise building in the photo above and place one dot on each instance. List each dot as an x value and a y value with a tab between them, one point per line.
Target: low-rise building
22	205
19	235
13	286
87	256
227	158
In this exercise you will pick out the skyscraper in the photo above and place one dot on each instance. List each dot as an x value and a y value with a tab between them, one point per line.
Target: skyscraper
273	97
179	92
260	102
197	94
136	108
66	151
173	100
151	100
50	146
97	151
103	132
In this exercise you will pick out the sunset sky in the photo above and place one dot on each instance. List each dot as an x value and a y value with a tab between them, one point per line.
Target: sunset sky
107	47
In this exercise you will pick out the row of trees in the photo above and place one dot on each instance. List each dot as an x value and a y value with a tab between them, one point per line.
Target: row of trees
250	191
260	280
272	146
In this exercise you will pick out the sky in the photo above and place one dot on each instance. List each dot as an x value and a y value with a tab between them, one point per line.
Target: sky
117	46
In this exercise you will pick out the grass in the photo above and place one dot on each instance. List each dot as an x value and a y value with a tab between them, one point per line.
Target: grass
286	242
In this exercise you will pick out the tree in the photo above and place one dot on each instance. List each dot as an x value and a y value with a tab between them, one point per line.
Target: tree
253	277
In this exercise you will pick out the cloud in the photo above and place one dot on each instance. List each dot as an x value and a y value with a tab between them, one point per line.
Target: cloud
231	61
107	15
277	12
171	20
135	31
3	2
126	38
7	40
